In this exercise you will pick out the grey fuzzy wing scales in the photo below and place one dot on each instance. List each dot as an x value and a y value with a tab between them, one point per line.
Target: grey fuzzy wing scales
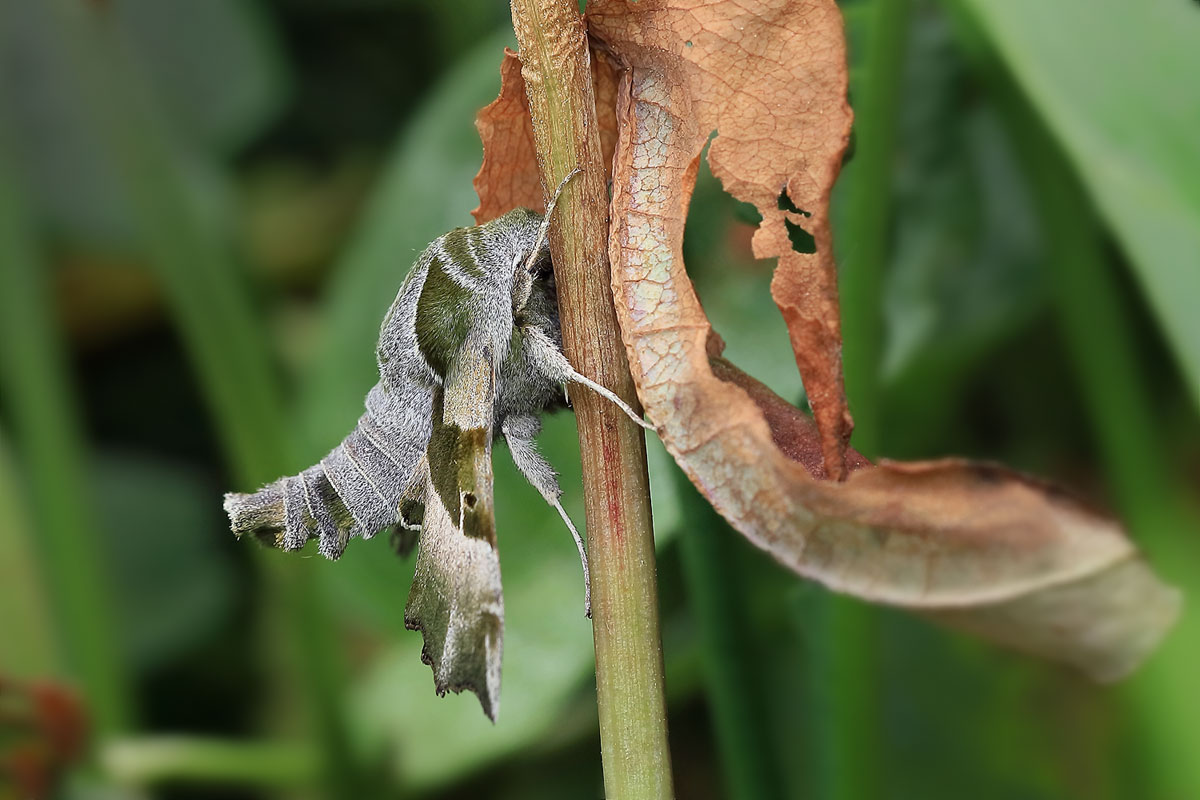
354	491
357	488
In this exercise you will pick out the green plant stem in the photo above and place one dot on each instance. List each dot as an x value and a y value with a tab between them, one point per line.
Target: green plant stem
226	345
38	395
192	759
854	749
629	670
716	595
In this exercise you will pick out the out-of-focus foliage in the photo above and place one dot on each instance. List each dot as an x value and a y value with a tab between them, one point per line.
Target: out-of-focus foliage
28	647
320	145
1129	142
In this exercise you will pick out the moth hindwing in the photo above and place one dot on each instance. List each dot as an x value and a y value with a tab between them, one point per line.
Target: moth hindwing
470	349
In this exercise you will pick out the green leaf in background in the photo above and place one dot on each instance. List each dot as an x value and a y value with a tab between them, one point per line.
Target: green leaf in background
1115	83
216	319
39	398
216	104
965	268
174	586
70	183
224	81
966	272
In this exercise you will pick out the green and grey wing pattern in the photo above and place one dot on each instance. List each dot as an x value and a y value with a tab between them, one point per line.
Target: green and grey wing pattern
456	600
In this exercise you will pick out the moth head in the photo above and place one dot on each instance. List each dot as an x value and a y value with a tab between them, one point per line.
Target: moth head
529	252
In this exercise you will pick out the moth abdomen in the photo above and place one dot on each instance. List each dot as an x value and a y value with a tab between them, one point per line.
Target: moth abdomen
355	490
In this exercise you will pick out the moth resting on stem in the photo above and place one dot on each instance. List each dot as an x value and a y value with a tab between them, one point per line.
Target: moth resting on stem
471	347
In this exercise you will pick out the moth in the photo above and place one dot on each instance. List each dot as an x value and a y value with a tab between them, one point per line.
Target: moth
470	349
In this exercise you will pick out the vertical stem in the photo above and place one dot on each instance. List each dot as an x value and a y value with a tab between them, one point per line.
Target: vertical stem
37	392
854	748
629	674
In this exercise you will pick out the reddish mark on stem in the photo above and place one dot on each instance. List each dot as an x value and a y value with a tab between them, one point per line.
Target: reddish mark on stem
610	447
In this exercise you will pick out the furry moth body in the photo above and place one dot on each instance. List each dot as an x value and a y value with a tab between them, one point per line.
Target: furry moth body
470	349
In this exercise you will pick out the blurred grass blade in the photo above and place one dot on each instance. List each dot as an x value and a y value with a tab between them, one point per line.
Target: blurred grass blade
1097	328
227	346
1121	101
717	598
28	648
852	752
1100	336
37	392
864	226
203	288
196	760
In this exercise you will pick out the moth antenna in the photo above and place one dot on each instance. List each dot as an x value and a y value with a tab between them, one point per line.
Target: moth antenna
544	230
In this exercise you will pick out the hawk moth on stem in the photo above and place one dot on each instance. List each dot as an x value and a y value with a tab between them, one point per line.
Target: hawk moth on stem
470	348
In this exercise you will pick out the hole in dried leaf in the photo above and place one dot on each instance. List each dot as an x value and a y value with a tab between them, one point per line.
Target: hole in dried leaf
785	204
746	212
735	287
802	240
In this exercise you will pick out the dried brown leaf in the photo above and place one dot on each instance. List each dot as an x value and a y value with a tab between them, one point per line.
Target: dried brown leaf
509	176
976	546
769	76
604	82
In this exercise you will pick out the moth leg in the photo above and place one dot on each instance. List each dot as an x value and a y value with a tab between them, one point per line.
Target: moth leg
520	430
550	360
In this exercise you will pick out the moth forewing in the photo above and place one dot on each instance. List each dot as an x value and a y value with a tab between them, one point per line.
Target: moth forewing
456	599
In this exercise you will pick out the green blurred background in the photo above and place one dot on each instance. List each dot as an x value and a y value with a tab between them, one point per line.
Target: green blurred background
207	205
